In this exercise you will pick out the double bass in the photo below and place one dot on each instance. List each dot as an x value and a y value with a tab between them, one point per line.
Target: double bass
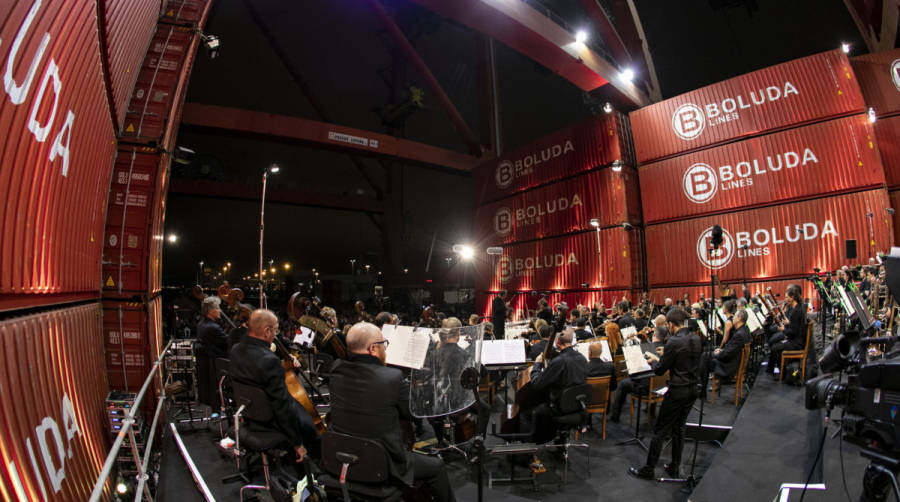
526	396
306	312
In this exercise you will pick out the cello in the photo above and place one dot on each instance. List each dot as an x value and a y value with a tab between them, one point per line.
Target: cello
295	388
526	396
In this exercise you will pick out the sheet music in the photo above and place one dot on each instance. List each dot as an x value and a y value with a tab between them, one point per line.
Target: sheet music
846	301
407	348
513	333
761	318
628	331
502	352
762	307
584	349
634	360
388	330
752	322
702	326
304	337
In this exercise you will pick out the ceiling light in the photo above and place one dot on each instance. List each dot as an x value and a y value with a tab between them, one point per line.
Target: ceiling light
628	75
581	36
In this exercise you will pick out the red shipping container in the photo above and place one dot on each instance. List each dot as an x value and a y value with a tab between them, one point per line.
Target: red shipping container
154	100
785	95
56	149
781	241
157	226
895	204
879	78
829	157
887	134
54	439
563	263
186	11
560	208
598	141
659	295
124	324
125	35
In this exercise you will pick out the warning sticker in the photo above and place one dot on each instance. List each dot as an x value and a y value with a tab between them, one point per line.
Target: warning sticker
110	283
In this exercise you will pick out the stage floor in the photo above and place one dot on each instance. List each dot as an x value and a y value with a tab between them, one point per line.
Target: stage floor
773	442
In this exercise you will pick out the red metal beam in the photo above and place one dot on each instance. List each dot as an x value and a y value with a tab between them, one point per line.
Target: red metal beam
406	47
324	135
240	191
607	32
529	32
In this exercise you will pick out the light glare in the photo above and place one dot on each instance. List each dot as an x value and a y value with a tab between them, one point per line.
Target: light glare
581	36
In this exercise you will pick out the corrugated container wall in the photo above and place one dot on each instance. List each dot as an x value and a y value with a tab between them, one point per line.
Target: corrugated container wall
895	204
560	208
824	158
524	304
598	141
126	29
887	132
185	11
879	79
789	94
781	241
569	262
56	150
54	442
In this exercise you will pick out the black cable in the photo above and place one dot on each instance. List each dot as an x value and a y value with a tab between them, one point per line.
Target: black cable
815	462
841	455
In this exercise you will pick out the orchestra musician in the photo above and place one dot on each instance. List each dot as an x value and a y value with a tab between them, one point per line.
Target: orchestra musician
544	332
566	369
580	332
544	311
368	400
728	309
498	314
597	367
361	314
625	318
383	318
791	334
681	358
727	358
213	344
254	363
629	386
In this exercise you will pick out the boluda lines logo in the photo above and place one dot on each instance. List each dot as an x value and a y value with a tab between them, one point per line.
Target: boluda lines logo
701	182
509	170
690	120
715	258
533	214
895	73
759	242
526	267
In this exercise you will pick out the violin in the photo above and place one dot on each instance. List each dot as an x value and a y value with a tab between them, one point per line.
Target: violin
295	388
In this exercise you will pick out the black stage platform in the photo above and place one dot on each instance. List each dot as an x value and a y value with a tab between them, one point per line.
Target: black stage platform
772	443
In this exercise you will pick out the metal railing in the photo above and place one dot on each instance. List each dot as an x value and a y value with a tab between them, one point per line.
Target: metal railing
128	430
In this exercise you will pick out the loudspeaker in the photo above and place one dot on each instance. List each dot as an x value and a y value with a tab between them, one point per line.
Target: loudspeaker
850	245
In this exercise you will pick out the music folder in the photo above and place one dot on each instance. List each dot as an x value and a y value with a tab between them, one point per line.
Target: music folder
502	352
635	362
406	347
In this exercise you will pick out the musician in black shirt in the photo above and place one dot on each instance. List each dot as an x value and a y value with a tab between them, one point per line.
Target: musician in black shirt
498	315
791	335
566	369
254	364
681	358
580	332
544	311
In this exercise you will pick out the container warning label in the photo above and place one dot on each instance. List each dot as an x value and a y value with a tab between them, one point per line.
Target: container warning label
110	283
353	140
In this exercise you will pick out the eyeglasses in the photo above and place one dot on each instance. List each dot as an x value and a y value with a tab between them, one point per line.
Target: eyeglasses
382	342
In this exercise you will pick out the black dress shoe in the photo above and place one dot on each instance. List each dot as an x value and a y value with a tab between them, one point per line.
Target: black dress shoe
644	472
672	470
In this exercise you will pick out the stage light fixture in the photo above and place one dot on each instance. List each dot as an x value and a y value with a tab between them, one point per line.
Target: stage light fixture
211	42
617	166
871	115
121	488
628	75
466	253
845	47
581	36
274	169
607	108
173	238
183	155
595	222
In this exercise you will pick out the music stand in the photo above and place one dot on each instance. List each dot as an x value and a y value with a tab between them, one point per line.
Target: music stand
637	372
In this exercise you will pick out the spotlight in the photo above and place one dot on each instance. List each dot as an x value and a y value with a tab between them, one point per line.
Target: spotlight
607	108
581	36
467	253
595	223
871	115
628	75
627	226
183	155
274	169
121	488
617	166
211	42
173	238
845	47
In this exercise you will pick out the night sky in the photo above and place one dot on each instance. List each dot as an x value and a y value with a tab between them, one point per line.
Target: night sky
337	48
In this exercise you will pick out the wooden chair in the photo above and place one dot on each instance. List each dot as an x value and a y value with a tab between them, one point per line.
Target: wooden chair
621	369
656	382
599	398
738	379
798	354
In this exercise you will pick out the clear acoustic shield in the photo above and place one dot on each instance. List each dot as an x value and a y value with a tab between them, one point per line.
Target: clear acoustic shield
436	390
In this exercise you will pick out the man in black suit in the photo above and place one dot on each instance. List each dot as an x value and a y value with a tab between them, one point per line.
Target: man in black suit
254	364
566	369
498	315
544	311
580	332
791	335
727	359
213	344
597	367
681	358
538	348
625	318
368	399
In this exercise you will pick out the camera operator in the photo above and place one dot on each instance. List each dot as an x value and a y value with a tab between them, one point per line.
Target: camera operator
790	335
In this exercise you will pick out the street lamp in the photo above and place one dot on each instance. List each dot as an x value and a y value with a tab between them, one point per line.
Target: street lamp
173	238
596	224
287	266
200	272
262	218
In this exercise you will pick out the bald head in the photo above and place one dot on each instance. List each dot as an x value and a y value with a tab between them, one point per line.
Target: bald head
263	324
659	320
595	350
361	336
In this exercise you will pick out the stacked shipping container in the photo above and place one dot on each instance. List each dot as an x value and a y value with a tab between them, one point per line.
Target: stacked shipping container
72	67
879	78
537	202
817	168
